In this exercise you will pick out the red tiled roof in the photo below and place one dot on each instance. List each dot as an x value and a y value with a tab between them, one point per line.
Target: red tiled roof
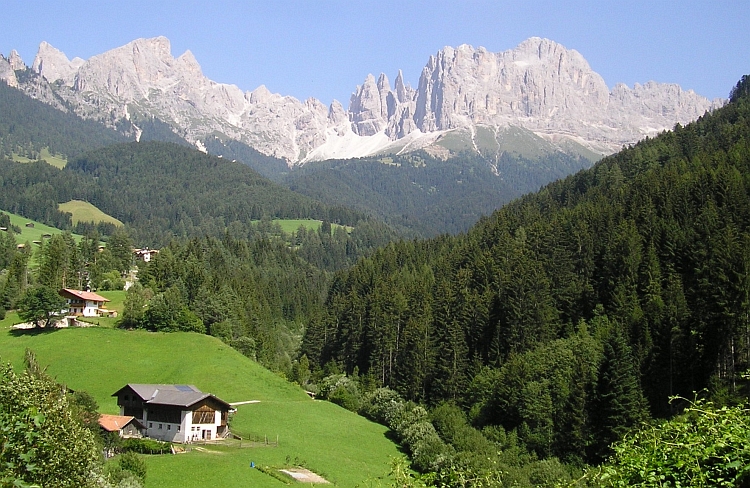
85	295
113	423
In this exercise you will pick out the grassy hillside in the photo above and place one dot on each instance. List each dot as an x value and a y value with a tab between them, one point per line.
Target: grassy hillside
58	160
290	226
34	233
86	212
341	446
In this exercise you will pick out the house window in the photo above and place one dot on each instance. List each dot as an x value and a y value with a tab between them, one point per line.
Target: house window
178	428
169	427
150	425
160	426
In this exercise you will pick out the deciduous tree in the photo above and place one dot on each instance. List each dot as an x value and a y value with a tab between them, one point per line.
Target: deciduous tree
40	305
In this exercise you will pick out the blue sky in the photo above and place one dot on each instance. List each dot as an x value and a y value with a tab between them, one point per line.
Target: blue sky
325	48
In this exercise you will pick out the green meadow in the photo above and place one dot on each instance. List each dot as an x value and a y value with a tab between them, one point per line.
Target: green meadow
85	212
34	232
343	447
58	161
289	226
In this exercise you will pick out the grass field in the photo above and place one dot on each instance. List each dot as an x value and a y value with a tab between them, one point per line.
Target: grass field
86	212
346	449
35	233
292	225
55	160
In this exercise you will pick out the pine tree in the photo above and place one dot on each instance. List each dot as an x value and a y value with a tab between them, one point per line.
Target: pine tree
619	404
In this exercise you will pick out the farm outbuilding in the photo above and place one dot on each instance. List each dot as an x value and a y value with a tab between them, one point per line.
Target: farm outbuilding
125	426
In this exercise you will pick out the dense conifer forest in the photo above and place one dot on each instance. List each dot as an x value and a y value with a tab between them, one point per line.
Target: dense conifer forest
426	196
572	314
162	191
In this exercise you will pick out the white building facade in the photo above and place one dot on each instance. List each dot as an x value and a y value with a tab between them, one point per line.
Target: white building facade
175	413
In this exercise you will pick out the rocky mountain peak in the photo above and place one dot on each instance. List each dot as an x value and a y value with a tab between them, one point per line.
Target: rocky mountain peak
7	73
54	65
16	63
367	108
188	62
540	86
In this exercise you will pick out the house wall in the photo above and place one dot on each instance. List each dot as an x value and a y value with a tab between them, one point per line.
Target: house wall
202	431
91	309
87	308
186	430
164	431
164	422
130	430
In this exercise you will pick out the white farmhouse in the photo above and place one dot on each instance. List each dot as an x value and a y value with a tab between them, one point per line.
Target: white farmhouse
85	303
175	413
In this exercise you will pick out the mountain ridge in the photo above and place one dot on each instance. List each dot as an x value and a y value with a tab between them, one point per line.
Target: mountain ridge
539	85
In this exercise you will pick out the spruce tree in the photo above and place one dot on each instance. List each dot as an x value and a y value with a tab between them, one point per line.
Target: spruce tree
619	404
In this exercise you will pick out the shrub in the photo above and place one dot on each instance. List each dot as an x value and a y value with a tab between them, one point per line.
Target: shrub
130	461
111	281
145	446
429	453
346	396
450	422
705	446
341	390
378	405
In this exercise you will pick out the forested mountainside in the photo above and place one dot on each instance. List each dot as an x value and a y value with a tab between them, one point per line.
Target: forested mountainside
270	167
27	126
161	191
573	313
424	195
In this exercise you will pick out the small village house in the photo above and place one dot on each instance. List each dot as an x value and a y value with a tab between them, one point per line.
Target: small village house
175	413
85	303
146	254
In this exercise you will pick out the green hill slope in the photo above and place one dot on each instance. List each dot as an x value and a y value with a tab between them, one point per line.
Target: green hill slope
34	231
343	447
86	212
27	126
160	190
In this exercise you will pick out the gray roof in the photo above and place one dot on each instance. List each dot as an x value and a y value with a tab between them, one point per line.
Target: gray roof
180	395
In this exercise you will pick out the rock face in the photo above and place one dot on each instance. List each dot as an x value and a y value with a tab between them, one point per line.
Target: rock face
7	73
54	65
540	86
548	89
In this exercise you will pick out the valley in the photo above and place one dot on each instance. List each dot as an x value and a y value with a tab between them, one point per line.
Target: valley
486	295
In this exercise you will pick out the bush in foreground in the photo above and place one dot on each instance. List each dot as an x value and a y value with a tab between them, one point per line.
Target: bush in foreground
705	446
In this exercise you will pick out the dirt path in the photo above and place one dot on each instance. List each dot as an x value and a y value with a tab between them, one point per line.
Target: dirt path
304	475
